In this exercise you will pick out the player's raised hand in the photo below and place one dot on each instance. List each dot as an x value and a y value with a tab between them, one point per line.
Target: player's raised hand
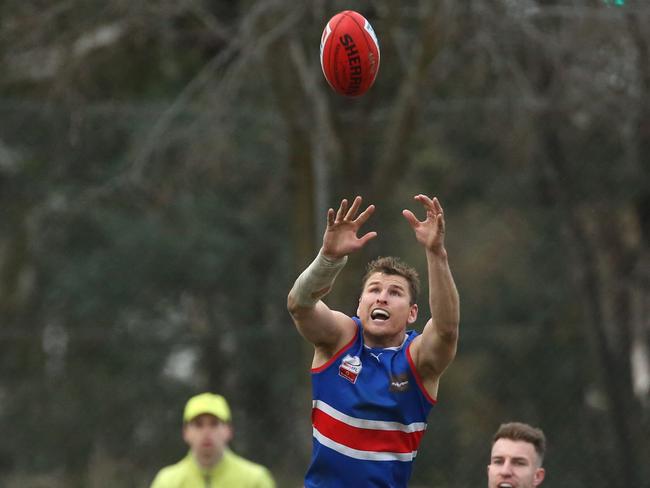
429	232
340	237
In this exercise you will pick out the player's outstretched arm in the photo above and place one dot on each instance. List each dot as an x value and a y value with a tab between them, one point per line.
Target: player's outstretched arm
323	327
437	345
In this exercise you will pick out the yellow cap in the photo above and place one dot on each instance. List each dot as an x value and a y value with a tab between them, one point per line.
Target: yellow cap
207	403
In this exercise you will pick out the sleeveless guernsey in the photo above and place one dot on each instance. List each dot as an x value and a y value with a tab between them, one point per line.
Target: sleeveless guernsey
369	414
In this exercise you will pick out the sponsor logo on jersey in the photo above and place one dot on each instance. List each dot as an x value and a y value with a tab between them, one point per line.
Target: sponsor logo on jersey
376	356
399	382
350	368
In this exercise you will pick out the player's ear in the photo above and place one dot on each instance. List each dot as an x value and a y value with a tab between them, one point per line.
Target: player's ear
539	476
413	313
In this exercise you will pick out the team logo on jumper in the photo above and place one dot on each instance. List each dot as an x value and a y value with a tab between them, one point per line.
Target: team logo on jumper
399	382
350	368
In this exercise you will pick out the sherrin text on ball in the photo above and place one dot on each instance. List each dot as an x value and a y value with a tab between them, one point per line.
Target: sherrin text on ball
349	53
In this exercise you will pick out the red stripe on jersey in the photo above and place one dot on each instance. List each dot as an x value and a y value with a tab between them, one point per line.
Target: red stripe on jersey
365	439
418	380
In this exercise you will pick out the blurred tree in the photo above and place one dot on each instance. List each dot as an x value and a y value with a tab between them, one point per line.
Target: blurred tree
165	169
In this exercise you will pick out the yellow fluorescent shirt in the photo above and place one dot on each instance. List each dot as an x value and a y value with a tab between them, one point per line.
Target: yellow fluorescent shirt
232	471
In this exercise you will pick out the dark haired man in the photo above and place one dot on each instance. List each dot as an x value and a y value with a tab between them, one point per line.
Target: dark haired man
517	455
373	381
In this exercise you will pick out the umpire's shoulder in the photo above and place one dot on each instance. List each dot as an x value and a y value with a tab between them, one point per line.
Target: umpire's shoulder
255	474
170	476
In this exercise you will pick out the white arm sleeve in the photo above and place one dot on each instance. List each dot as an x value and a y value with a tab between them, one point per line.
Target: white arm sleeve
316	281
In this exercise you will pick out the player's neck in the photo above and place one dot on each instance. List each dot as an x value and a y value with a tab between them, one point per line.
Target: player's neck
384	342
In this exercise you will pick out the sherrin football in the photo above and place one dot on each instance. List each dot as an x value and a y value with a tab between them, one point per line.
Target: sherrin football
349	53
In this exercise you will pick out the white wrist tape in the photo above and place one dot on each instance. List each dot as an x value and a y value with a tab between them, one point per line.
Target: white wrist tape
316	281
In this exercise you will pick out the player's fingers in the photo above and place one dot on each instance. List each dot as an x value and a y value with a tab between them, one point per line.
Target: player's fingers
343	208
367	237
365	215
331	216
440	223
436	205
424	200
356	203
410	218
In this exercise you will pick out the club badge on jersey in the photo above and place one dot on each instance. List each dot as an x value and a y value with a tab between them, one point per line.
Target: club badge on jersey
350	368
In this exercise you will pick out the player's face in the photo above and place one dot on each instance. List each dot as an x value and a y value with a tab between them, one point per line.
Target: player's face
385	309
207	437
514	464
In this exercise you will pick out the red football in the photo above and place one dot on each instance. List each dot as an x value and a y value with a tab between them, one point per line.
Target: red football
349	53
